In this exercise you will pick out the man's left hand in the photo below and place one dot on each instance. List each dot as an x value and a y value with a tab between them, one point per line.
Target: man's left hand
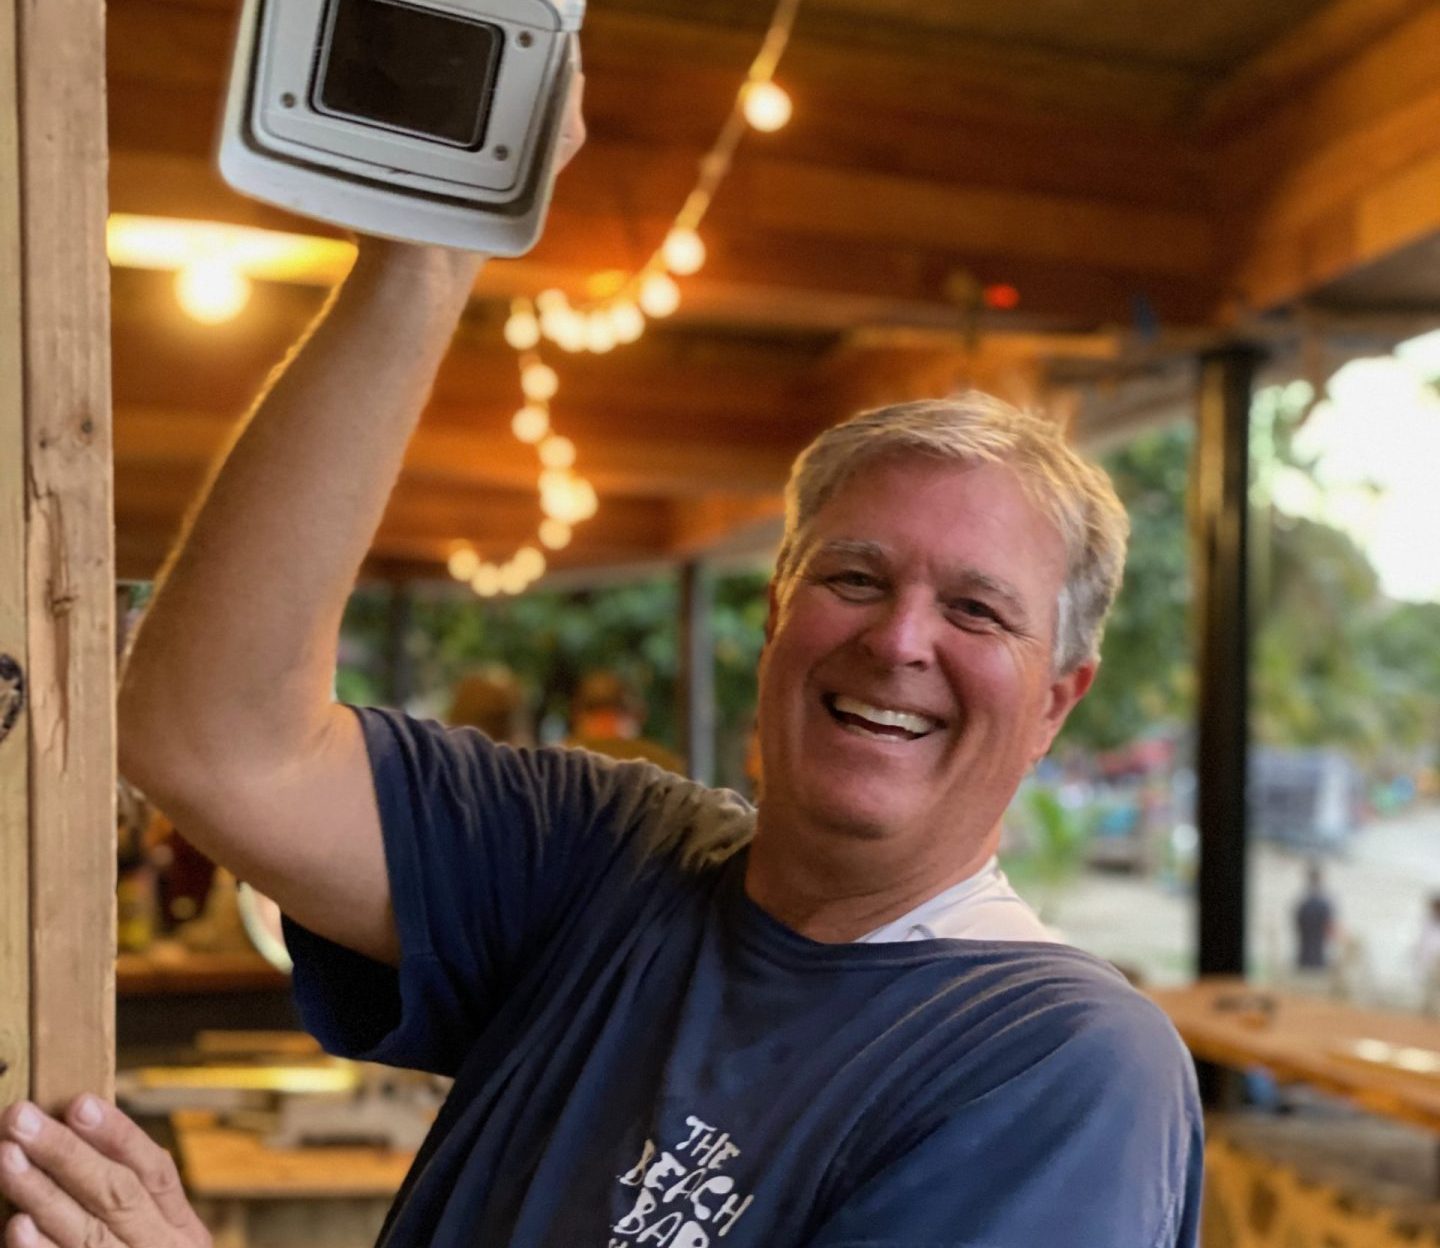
95	1180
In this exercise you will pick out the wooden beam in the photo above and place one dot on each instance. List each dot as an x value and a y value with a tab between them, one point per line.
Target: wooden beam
481	452
1308	50
69	556
14	720
1344	173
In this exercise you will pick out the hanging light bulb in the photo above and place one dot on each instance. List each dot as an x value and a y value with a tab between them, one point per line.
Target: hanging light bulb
767	107
552	298
554	533
530	423
522	330
557	452
486	581
599	333
585	501
626	320
659	295
570	330
539	381
558	499
212	290
684	251
512	579
529	562
463	563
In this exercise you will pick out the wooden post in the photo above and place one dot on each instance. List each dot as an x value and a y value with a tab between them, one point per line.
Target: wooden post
56	551
14	753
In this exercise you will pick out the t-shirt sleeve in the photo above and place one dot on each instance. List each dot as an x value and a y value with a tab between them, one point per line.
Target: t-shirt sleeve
487	849
1100	1144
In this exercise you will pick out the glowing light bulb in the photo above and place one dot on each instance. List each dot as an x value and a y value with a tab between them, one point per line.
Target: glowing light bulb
539	381
486	581
572	331
659	295
585	501
529	562
552	298
555	533
557	452
512	579
626	320
766	105
212	290
522	330
684	251
599	333
463	563
530	423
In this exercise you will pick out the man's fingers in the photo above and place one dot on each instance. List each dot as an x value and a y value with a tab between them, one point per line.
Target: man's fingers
21	1232
572	127
55	1215
120	1138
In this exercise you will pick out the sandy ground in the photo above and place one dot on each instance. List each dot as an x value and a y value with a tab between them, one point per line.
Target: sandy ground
1381	888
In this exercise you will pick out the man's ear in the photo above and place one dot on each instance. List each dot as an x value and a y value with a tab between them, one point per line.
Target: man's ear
1064	692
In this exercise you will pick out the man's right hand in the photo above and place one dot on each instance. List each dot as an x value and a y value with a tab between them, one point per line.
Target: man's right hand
95	1180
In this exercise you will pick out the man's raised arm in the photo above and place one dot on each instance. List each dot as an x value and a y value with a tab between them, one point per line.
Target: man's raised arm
226	716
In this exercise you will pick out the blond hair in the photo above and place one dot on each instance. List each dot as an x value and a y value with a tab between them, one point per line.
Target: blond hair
976	428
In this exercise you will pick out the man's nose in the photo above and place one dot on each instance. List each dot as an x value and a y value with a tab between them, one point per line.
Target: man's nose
902	633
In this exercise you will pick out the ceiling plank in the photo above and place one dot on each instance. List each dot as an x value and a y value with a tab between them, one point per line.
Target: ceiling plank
489	457
1343	174
1310	49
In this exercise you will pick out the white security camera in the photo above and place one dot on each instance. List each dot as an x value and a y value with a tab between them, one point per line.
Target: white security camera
428	120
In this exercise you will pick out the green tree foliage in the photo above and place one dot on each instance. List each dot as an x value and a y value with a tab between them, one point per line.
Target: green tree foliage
550	639
1145	681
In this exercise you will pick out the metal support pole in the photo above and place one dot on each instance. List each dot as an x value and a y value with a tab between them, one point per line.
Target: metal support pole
697	671
1220	504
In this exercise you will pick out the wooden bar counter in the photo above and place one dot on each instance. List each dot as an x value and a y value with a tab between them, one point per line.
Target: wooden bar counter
1384	1062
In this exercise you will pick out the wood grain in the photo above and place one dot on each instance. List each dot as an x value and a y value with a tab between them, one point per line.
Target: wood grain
14	748
69	547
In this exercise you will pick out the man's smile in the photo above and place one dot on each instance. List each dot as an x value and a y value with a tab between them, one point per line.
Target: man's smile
886	722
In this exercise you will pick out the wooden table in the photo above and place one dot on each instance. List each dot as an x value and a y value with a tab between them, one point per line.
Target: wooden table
328	1196
1384	1062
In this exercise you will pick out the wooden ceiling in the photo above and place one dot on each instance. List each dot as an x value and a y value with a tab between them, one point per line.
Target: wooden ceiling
1143	172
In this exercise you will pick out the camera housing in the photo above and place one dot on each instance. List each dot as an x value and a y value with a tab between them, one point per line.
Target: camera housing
427	120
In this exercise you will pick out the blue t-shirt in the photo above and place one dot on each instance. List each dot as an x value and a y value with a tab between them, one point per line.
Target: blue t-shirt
643	1058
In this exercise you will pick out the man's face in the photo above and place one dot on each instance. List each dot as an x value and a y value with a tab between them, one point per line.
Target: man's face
906	684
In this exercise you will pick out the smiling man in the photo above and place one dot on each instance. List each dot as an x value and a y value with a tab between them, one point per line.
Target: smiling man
673	1022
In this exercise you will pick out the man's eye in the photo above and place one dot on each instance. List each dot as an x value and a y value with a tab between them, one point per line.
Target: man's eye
975	609
852	583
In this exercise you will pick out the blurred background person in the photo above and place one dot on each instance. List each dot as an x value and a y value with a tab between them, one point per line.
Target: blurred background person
607	716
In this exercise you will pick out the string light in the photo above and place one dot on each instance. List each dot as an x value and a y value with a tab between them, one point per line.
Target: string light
614	312
767	106
557	452
539	381
626	320
684	251
530	423
659	295
554	533
486	581
522	330
463	563
529	562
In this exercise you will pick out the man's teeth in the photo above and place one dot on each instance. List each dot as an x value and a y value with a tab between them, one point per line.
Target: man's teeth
906	720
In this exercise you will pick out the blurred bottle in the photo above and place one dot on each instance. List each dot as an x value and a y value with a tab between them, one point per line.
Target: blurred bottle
136	892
